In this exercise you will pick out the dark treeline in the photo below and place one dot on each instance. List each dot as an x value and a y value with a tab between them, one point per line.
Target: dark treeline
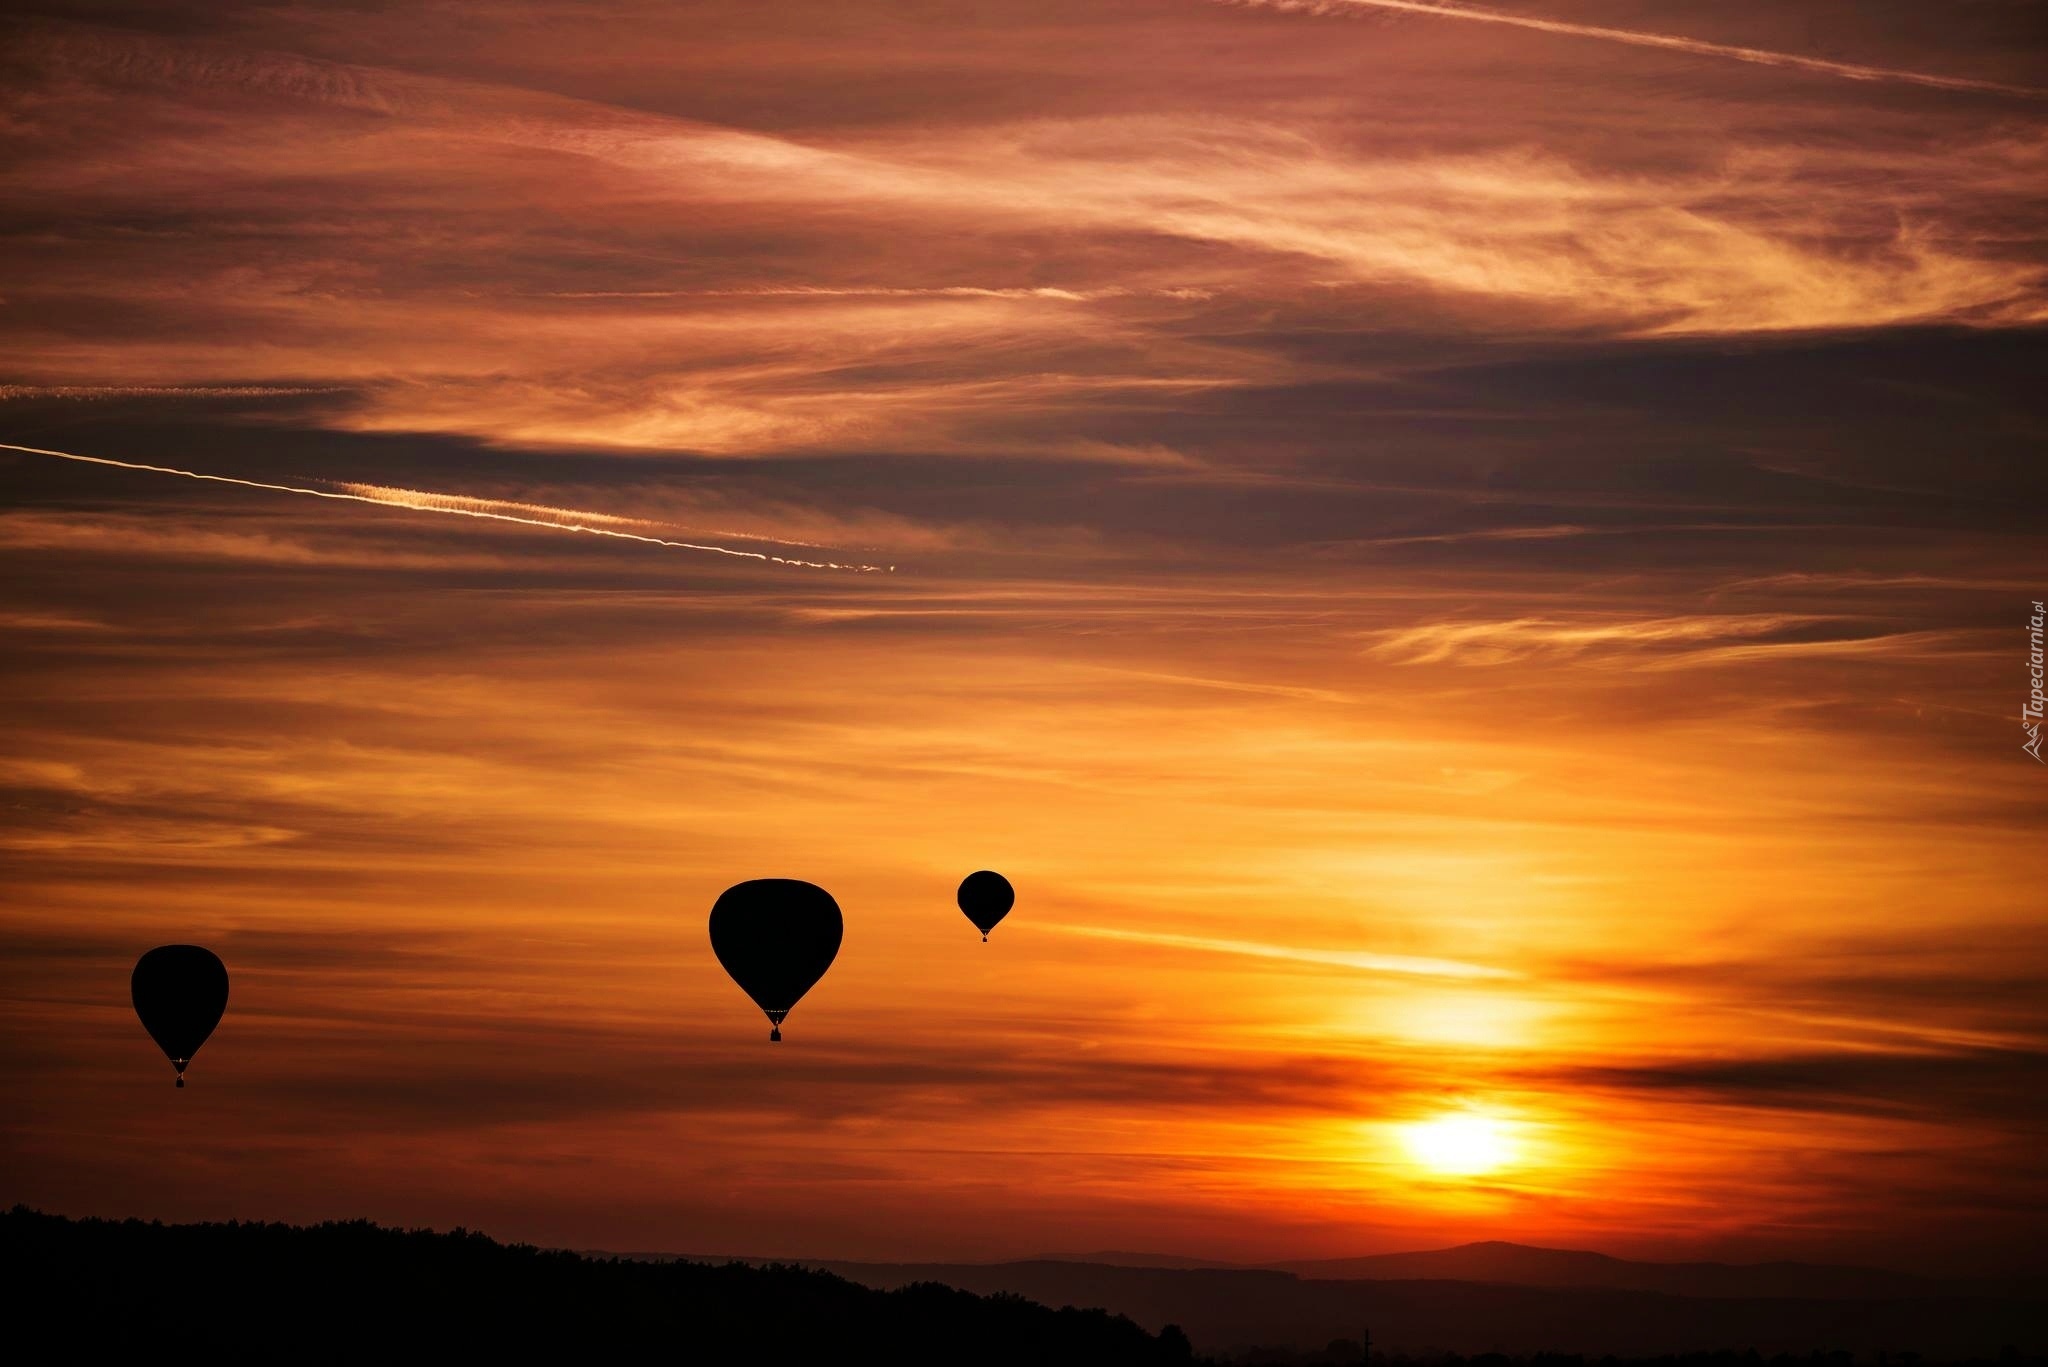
84	1290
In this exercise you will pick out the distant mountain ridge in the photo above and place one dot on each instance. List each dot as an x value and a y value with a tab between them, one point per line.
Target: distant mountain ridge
1507	1297
1527	1265
1120	1258
1501	1262
1230	1309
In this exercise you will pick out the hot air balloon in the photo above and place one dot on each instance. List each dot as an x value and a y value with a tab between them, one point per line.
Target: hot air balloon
180	992
986	897
776	937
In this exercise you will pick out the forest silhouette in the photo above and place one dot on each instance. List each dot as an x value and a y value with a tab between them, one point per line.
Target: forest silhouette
356	1292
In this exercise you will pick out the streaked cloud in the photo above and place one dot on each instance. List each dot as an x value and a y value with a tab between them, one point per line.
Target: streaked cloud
1354	959
629	329
1460	561
1667	42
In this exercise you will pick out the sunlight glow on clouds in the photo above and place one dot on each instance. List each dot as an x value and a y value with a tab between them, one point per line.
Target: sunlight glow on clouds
1466	571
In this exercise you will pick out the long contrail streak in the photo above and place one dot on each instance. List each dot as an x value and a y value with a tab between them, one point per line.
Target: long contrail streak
432	502
441	503
1668	42
449	504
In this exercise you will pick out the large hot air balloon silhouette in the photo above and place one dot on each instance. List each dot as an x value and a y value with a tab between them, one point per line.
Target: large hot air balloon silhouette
986	897
776	937
180	992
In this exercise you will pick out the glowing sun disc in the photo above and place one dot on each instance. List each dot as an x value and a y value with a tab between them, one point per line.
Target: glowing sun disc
1460	1145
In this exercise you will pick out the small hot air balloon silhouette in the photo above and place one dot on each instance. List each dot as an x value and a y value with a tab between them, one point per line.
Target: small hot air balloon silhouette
986	897
180	992
776	937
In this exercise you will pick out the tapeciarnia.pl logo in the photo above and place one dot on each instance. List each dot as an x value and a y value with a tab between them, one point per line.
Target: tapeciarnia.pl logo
2030	715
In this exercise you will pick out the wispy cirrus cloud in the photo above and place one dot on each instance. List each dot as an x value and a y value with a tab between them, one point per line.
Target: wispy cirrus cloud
1485	643
1361	960
1665	42
622	334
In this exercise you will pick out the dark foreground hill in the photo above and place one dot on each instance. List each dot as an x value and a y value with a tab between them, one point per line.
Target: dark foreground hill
1225	1309
85	1290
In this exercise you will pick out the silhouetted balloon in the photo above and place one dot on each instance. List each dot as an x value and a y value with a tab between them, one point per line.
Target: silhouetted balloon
180	992
986	897
776	937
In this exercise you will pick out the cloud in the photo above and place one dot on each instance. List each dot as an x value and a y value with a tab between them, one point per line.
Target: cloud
152	537
1360	960
1486	643
2001	1086
1692	47
886	308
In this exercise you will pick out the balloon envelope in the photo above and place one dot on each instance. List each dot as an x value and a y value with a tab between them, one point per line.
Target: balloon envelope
776	937
180	992
986	897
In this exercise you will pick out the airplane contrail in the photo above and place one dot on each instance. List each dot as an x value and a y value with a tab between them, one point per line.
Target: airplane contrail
1669	42
432	502
161	391
446	503
456	505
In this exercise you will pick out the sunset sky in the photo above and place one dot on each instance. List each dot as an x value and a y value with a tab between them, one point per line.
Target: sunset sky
1472	568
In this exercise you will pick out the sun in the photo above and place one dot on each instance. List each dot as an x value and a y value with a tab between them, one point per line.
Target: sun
1461	1145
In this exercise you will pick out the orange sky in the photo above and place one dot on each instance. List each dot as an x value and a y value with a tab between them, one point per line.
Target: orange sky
1463	569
